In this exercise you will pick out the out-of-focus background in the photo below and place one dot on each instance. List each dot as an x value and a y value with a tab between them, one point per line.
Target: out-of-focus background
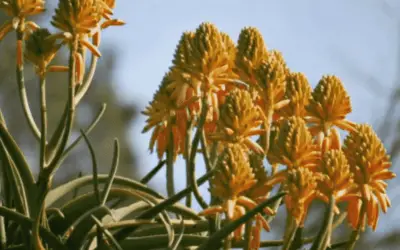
359	41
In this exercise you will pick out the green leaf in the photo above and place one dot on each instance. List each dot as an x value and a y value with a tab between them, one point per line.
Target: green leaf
59	192
46	235
18	158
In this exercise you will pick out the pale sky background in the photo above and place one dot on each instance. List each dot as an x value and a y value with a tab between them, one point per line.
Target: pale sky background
353	39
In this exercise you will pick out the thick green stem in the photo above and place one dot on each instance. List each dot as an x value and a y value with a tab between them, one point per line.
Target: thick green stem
188	145
323	238
170	165
21	85
291	229
43	118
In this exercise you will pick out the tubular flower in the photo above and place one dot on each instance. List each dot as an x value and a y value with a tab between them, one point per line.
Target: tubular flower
22	8
41	49
298	92
301	188
329	106
251	52
292	144
337	178
203	65
230	183
239	121
370	165
271	81
166	118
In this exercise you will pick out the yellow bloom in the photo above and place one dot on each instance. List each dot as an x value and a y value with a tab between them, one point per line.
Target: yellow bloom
77	16
301	188
239	121
41	49
22	8
298	91
166	118
370	165
329	106
337	178
203	65
292	144
271	81
230	183
251	52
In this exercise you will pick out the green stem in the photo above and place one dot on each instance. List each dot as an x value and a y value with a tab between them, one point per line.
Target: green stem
22	90
188	145
247	235
355	235
71	108
267	126
291	229
153	172
43	118
170	165
193	151
323	238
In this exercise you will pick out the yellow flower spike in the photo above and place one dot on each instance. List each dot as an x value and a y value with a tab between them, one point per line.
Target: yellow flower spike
78	17
239	121
165	117
298	93
370	165
234	175
203	66
22	8
271	79
292	144
40	50
338	179
329	106
251	52
301	188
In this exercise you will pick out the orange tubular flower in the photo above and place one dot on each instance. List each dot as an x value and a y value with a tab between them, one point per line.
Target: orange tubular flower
230	183
329	106
337	178
292	144
239	121
251	52
203	66
370	165
301	188
298	92
166	118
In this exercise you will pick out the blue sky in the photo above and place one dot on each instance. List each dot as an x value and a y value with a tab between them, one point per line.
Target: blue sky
355	40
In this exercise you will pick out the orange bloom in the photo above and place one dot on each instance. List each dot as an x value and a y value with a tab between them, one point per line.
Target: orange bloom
166	118
301	188
251	52
329	106
239	121
370	165
298	92
203	66
292	144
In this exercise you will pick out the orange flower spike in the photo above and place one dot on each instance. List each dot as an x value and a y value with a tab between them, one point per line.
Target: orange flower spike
338	179
251	52
301	188
203	64
165	117
370	165
298	93
329	106
292	144
239	121
234	175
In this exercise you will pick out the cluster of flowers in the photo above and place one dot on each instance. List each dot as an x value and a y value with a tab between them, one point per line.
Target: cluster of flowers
78	20
257	108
